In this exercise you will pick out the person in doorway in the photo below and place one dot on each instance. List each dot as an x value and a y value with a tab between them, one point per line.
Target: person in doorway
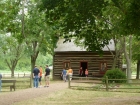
0	81
70	73
36	74
64	74
80	72
47	76
41	72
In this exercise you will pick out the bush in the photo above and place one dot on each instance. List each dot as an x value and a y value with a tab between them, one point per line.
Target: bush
115	74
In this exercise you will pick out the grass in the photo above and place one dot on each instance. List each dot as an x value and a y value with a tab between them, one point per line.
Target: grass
21	83
133	87
77	97
83	96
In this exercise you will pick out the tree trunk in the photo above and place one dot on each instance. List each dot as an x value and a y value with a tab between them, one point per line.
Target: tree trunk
33	62
12	72
138	69
118	51
128	60
115	60
12	65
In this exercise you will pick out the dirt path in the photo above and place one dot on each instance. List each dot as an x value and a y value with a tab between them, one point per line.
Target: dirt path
21	95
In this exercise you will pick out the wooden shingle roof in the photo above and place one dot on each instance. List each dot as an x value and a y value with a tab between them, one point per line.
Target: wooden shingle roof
71	46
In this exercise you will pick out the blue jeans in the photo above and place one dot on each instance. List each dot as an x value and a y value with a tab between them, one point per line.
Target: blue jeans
64	77
36	81
0	84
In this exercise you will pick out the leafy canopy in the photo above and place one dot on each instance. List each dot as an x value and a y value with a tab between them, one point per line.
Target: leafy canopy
81	19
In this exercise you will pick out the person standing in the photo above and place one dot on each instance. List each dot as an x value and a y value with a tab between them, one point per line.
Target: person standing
64	74
36	74
47	76
70	73
0	81
86	73
40	77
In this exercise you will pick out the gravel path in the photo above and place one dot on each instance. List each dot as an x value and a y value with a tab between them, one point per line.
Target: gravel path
21	95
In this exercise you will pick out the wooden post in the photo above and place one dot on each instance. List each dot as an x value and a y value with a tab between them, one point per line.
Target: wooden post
68	81
31	77
106	80
18	75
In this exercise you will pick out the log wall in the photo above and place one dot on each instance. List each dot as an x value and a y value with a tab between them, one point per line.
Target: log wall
93	62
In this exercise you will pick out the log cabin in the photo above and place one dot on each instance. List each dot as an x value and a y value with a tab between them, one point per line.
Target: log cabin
69	55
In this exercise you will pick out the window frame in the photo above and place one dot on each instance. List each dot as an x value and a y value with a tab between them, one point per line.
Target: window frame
101	67
66	65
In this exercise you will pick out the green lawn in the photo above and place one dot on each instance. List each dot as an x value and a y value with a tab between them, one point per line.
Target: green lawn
82	97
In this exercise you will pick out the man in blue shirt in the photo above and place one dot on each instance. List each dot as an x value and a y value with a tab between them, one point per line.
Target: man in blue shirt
36	74
64	74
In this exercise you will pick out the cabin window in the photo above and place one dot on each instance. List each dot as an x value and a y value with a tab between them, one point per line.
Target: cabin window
66	65
103	67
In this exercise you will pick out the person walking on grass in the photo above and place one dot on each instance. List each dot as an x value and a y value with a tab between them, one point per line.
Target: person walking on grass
86	73
64	74
0	81
36	74
47	76
70	73
41	72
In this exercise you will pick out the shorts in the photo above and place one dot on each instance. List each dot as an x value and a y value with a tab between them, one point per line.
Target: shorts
47	78
40	78
70	74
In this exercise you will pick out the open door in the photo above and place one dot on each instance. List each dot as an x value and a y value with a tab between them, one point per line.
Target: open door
84	66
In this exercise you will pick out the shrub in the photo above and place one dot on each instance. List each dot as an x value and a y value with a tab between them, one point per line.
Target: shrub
115	74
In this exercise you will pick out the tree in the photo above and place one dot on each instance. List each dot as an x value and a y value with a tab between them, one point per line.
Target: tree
80	19
35	32
94	21
136	54
132	25
117	12
11	52
11	49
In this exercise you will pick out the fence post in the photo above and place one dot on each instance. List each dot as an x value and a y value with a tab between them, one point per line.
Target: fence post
18	75
106	81
68	81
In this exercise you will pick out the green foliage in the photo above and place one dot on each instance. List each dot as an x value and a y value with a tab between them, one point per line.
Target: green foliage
136	48
132	17
8	13
115	74
37	33
43	60
81	19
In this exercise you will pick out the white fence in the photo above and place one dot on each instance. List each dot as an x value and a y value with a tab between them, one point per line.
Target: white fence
17	75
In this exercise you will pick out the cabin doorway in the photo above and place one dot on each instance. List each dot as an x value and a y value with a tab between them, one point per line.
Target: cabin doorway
84	67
